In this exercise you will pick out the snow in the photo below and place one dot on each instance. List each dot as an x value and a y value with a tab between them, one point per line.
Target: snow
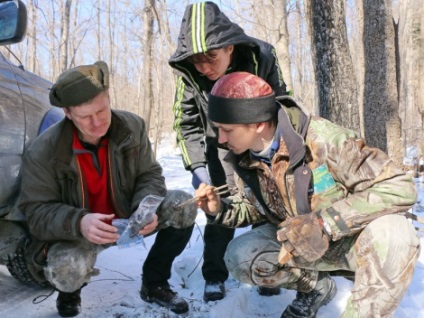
115	291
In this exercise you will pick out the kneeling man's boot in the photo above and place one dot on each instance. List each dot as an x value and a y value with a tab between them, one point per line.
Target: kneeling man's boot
306	305
69	304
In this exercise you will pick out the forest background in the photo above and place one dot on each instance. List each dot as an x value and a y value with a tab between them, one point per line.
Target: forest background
359	63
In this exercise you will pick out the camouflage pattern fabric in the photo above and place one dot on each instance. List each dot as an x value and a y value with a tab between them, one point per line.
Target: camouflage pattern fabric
383	264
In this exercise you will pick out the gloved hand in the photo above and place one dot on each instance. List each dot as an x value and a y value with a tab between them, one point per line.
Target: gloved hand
199	175
302	236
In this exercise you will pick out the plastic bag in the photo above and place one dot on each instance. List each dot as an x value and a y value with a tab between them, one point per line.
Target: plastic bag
139	219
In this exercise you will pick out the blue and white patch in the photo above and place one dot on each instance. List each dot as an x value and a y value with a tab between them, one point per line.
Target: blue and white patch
322	178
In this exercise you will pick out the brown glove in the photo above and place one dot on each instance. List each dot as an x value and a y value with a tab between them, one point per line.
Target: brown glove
302	236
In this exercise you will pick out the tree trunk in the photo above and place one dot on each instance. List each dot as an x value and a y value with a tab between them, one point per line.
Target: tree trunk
334	73
111	52
381	117
304	80
32	38
148	57
64	41
411	57
98	33
282	44
54	71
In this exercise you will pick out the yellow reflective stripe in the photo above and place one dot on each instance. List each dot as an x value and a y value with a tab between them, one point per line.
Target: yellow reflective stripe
203	24
177	110
255	61
193	27
198	28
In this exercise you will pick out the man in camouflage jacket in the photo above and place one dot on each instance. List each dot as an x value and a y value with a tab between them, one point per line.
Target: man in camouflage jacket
334	204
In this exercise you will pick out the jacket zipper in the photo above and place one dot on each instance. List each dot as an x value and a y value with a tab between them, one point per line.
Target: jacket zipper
81	184
111	183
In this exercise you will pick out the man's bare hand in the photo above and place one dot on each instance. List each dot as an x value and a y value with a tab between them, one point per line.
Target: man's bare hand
149	228
209	201
95	230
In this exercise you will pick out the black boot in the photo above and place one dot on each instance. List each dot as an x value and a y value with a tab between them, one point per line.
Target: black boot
164	296
306	305
214	291
69	304
268	291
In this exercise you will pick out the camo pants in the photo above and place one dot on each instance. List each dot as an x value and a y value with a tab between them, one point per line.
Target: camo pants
382	256
71	264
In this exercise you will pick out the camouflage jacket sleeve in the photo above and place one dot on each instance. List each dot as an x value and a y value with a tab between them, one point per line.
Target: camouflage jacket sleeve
238	210
374	185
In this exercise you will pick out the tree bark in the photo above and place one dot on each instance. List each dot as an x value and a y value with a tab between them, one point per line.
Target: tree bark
148	60
64	39
282	44
411	82
334	73
32	38
381	117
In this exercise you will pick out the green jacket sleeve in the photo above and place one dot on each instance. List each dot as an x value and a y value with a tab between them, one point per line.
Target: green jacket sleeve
188	125
375	185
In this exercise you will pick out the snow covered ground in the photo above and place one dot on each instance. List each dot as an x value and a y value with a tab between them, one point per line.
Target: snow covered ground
115	292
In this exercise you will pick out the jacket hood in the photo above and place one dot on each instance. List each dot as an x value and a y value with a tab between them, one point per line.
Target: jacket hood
203	28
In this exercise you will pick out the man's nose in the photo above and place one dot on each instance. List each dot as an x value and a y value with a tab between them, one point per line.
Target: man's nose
96	121
222	138
203	67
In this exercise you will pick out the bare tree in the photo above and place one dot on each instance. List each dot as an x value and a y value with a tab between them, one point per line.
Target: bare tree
118	32
302	69
53	41
64	41
381	117
334	73
99	33
149	12
355	20
411	75
110	28
282	43
32	38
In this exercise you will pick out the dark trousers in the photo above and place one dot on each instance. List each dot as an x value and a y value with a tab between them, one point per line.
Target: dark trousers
169	243
217	237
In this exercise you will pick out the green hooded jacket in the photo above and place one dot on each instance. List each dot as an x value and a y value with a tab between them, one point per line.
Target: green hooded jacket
204	27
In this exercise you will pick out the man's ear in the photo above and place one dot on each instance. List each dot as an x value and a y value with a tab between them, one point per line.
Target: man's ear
67	113
230	48
260	127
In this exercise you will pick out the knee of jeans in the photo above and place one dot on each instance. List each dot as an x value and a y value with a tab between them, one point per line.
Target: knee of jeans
170	214
69	268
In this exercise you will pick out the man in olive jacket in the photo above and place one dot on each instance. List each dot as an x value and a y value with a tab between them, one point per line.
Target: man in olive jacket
92	167
332	202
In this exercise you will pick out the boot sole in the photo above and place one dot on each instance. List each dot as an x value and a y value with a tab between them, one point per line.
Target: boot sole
163	304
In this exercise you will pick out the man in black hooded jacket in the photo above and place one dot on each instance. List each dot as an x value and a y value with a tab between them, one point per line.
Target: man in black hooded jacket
210	46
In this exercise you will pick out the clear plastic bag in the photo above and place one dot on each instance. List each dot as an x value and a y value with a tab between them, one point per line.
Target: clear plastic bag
139	219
